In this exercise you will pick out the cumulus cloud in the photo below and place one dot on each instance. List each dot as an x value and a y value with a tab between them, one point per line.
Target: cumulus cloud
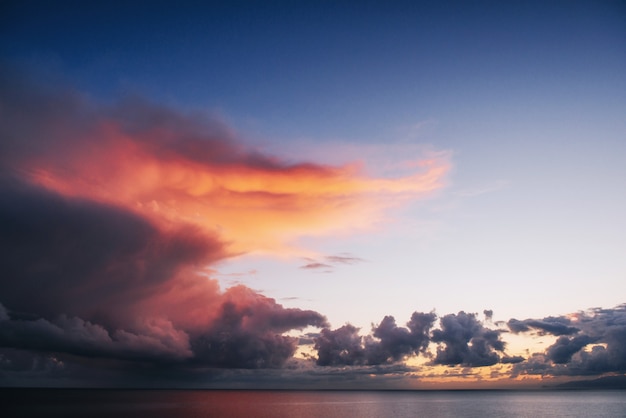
393	343
466	341
460	339
339	347
248	331
387	344
597	346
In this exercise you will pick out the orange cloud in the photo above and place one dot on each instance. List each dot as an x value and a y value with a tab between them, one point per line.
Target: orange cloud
173	171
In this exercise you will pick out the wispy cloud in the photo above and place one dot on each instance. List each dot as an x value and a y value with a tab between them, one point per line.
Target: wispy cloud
331	261
344	258
316	266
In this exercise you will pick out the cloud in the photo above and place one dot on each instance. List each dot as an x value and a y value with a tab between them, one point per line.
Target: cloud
343	259
387	344
72	335
89	258
466	341
461	339
91	279
564	348
248	331
598	346
331	262
511	359
339	347
550	325
112	218
172	167
315	266
394	343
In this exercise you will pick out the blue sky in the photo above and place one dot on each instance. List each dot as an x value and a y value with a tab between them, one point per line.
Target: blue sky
522	102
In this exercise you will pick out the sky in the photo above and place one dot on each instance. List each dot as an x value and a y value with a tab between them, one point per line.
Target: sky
366	195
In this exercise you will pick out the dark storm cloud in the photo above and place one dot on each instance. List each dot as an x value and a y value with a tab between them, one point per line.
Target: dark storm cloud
466	341
73	256
64	256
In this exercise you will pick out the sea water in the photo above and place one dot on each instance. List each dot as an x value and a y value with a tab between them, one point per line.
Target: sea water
308	404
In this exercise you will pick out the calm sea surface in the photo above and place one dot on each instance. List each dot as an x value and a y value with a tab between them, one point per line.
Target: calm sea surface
305	404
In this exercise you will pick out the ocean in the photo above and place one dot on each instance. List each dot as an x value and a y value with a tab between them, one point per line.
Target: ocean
15	403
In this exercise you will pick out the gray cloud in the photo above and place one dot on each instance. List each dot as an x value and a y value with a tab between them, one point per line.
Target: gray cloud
511	359
339	347
550	325
159	340
387	344
466	341
598	346
564	348
393	343
248	332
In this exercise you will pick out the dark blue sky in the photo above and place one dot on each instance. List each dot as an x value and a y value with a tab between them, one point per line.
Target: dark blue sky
329	69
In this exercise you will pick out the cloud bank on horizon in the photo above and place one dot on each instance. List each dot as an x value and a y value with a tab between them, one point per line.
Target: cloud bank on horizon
112	216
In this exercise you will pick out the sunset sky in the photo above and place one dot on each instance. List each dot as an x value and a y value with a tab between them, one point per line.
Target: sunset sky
312	194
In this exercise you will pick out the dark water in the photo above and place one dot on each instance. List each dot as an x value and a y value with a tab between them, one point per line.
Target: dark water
305	404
